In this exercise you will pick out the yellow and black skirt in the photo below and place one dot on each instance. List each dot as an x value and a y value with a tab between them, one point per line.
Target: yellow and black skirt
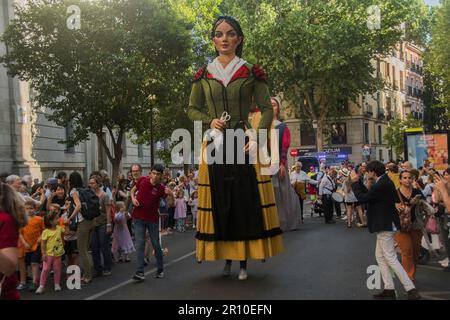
237	216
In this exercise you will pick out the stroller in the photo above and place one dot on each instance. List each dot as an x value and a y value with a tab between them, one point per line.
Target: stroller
317	207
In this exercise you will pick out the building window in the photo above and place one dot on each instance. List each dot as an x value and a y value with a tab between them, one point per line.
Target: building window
378	102
380	137
338	133
393	76
69	134
390	155
401	81
307	136
366	133
380	155
140	151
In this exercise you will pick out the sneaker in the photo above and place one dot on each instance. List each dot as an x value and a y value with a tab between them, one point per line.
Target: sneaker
22	286
145	262
227	270
57	287
385	294
139	276
444	262
344	218
413	294
242	274
159	274
106	273
40	290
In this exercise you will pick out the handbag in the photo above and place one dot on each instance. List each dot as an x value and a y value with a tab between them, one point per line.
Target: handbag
432	225
405	216
300	189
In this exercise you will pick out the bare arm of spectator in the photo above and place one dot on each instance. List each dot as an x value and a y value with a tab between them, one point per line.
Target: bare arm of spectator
77	202
123	194
50	200
443	194
8	261
108	215
133	197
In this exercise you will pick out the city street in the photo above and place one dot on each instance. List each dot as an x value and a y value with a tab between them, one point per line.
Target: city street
320	262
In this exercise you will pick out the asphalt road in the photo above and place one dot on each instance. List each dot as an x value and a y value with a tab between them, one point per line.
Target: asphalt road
320	261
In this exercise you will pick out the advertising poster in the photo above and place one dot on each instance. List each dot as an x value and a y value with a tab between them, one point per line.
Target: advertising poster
433	147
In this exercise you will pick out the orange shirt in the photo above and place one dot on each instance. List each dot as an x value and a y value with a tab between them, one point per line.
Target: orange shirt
32	232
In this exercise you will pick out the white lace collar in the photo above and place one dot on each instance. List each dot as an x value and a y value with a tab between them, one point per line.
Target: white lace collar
225	74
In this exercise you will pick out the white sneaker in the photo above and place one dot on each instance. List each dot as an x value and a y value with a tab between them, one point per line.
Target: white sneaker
40	290
445	261
243	274
226	270
57	287
344	218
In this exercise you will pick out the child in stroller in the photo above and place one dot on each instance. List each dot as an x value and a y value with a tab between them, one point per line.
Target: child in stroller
317	207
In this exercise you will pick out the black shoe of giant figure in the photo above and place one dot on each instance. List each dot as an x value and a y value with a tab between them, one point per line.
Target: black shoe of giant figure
385	294
413	294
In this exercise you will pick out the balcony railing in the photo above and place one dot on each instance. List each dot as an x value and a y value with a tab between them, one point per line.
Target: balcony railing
410	91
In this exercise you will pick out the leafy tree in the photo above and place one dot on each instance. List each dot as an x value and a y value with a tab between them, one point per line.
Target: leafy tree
122	64
437	61
320	53
395	132
435	117
199	16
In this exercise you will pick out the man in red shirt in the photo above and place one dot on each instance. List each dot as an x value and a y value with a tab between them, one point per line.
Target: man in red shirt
146	195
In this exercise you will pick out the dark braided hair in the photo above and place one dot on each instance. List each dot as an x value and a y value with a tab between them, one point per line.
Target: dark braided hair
236	26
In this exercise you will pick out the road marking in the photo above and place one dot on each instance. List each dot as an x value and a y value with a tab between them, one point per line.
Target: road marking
431	294
120	285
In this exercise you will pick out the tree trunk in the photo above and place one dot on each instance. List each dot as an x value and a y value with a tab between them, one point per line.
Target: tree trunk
319	135
117	161
152	143
117	169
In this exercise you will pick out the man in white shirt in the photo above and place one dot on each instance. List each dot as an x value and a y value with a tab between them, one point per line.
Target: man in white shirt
326	188
300	176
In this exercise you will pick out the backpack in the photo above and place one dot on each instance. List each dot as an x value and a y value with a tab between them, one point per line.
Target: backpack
90	204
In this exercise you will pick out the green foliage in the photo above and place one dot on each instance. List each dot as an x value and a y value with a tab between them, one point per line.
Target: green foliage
396	129
438	60
320	52
127	56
